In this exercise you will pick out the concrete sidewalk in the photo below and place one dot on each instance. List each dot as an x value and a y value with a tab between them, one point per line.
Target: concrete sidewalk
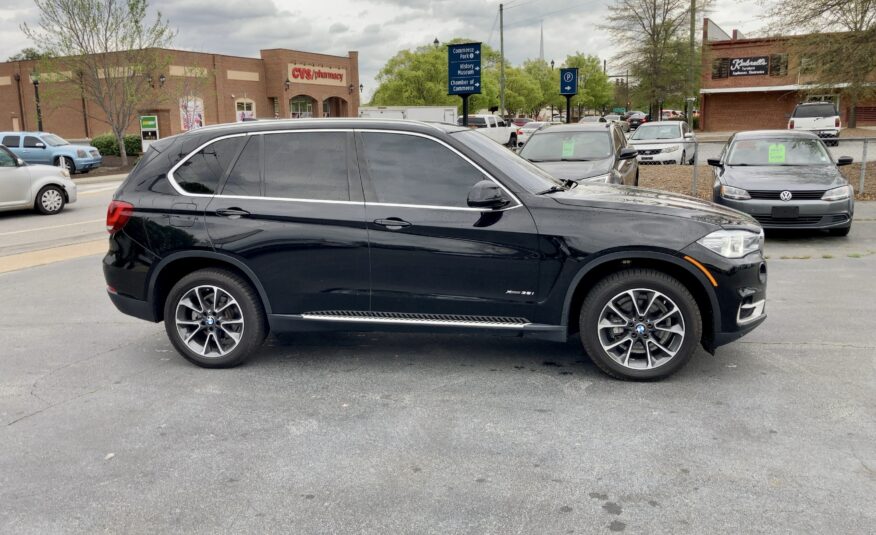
99	179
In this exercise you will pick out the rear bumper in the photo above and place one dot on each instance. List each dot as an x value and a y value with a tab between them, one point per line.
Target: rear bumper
133	307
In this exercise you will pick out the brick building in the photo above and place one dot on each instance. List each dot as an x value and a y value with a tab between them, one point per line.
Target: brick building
754	83
195	89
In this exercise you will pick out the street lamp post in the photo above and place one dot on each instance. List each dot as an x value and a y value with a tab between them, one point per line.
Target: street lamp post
552	104
36	96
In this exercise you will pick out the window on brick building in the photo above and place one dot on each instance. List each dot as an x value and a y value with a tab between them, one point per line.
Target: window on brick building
807	65
720	68
778	64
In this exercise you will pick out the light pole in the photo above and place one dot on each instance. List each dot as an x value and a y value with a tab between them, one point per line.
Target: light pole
552	104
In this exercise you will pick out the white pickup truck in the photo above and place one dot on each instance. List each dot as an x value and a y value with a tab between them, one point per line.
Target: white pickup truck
820	118
494	127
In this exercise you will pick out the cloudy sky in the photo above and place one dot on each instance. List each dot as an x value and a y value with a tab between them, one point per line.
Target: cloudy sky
379	28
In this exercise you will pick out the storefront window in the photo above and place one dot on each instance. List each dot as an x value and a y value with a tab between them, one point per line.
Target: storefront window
778	64
245	109
301	107
720	68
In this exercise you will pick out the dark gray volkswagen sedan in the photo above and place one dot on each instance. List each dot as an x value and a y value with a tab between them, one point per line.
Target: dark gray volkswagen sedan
786	180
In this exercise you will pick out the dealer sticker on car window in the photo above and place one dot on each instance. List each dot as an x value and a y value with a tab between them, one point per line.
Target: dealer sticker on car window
777	153
568	148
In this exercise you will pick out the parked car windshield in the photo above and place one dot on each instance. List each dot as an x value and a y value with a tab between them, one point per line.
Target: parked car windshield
778	151
657	131
567	146
528	176
816	110
54	140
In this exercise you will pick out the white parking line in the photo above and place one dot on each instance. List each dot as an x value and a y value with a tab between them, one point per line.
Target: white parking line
51	227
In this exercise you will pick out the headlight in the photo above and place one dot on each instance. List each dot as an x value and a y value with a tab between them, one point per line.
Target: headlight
838	194
671	148
732	243
739	194
65	173
601	179
81	153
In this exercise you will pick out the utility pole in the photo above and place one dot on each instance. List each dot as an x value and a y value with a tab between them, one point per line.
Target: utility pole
502	59
690	66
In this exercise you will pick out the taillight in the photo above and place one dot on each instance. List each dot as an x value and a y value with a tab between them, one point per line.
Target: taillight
117	215
791	124
520	132
836	122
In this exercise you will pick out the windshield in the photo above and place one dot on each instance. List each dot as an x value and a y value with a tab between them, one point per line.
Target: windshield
778	151
657	131
528	176
817	110
54	140
567	145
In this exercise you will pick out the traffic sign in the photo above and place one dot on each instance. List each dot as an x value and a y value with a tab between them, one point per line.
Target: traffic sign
569	81
464	69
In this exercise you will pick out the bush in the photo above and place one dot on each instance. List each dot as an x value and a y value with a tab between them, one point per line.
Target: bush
106	144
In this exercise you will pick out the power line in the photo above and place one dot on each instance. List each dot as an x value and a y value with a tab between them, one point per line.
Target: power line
493	28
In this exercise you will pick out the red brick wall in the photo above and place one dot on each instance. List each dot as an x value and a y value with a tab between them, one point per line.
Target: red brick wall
729	112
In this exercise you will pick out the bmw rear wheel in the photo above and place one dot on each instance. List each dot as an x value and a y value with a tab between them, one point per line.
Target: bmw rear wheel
214	318
640	324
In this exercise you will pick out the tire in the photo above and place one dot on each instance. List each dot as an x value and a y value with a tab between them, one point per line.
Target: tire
637	178
244	317
513	141
50	200
643	364
840	231
66	163
683	159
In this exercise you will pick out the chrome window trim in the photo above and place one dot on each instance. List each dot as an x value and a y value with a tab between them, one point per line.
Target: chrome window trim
172	179
400	321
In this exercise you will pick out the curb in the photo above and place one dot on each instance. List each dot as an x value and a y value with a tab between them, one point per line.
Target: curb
100	179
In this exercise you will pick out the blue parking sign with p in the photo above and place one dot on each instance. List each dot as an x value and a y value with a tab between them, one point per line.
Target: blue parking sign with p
569	81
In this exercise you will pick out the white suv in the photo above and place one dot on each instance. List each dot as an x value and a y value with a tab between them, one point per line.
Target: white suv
820	118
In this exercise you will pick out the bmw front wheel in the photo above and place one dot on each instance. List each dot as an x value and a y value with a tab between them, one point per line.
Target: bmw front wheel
640	324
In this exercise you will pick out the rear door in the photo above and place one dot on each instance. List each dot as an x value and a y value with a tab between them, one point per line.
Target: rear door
292	209
430	252
15	182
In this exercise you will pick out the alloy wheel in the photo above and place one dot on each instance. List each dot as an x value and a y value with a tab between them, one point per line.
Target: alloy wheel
209	321
641	328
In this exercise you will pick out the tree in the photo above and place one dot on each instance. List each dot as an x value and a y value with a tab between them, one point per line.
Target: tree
840	43
105	50
548	80
653	41
594	89
522	92
27	54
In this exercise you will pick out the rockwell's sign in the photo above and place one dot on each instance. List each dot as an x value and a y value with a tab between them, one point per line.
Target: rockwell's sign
310	74
749	66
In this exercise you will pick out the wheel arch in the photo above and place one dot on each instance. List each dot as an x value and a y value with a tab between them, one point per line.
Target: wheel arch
594	271
39	184
175	266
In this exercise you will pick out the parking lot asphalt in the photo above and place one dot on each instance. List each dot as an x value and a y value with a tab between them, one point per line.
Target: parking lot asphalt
104	428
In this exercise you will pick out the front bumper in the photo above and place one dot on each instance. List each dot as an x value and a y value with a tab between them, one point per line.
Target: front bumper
740	294
72	192
813	214
661	158
86	164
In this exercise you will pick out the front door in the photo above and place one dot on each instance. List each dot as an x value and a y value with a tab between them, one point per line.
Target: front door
291	207
34	150
15	181
430	252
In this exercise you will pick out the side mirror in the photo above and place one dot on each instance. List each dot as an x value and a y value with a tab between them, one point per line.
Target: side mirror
488	195
627	153
19	162
689	135
39	145
844	160
715	162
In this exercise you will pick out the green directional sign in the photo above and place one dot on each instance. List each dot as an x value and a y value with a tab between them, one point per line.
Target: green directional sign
148	122
618	110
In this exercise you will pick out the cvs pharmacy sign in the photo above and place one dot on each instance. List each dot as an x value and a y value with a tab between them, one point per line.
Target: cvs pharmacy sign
311	74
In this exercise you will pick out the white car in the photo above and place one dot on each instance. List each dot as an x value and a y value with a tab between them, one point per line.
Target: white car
523	132
45	188
820	118
665	142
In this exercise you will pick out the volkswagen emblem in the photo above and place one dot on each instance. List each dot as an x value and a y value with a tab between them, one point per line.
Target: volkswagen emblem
785	196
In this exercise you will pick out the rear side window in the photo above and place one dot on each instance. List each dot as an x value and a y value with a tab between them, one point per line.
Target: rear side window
307	165
11	141
245	177
202	172
818	110
407	169
31	142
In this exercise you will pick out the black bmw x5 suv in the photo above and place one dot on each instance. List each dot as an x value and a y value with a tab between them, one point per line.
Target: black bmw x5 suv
227	232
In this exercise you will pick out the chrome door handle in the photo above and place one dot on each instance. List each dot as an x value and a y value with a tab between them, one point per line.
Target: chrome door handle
232	213
392	223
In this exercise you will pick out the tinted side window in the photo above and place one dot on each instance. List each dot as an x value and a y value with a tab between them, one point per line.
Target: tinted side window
11	141
245	177
30	141
201	173
7	159
307	165
413	170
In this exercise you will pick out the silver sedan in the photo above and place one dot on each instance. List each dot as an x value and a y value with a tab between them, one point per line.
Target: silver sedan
45	188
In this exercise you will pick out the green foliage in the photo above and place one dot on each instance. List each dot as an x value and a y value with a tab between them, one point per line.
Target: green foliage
523	94
28	53
108	146
549	82
594	89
